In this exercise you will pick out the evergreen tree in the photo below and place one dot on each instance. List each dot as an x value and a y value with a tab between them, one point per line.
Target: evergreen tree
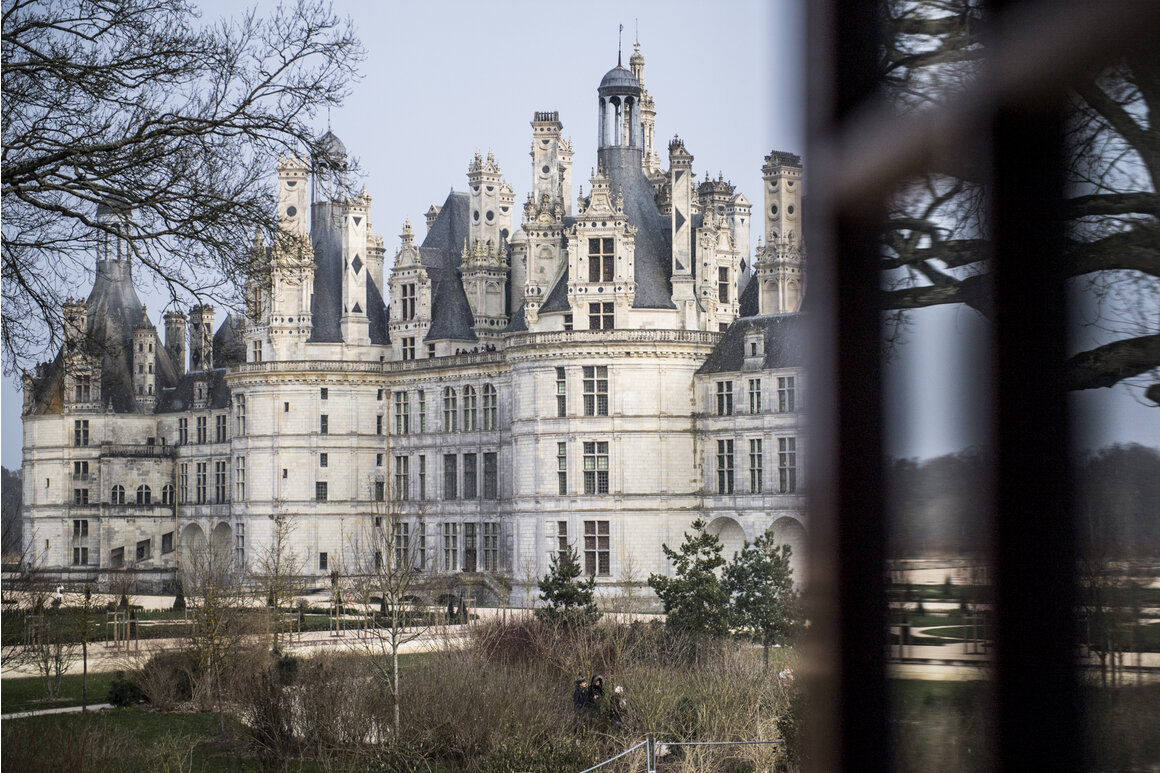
694	599
759	583
570	601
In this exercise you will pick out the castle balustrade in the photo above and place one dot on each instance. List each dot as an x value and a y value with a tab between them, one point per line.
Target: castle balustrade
139	450
135	510
556	337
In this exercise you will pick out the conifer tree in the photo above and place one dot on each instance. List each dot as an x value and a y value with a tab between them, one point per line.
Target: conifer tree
763	602
694	599
570	601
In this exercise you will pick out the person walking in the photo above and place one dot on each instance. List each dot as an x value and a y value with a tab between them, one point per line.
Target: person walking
580	699
596	691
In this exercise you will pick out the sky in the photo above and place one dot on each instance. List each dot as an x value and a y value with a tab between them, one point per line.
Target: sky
444	80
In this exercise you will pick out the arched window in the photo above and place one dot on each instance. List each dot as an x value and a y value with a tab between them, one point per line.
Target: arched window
450	410
470	410
167	494
144	495
490	412
118	495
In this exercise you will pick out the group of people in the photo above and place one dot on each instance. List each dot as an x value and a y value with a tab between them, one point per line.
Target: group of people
589	696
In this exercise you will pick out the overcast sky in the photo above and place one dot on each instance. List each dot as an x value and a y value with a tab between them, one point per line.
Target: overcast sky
444	80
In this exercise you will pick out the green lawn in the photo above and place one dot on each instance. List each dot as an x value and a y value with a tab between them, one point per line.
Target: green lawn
26	693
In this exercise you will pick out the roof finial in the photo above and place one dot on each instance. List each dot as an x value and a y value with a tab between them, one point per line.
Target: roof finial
637	36
328	117
619	36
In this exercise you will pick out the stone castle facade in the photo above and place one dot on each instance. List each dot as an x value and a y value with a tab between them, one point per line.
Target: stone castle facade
597	376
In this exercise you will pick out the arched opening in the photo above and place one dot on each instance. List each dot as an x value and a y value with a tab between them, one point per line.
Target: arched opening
222	536
730	533
789	531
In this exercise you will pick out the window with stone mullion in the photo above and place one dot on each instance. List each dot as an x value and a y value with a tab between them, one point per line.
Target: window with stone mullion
601	257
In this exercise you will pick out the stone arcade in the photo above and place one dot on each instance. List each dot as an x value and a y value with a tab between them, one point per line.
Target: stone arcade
613	368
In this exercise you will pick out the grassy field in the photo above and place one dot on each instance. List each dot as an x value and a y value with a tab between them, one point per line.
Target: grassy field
27	693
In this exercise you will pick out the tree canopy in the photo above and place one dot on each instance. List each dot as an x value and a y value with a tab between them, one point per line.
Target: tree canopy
136	106
763	601
570	601
694	599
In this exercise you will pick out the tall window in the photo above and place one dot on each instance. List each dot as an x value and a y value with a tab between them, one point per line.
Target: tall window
597	548
600	260
379	424
421	398
600	316
255	351
80	496
422	477
202	429
451	547
324	393
724	466
320	493
322	562
144	495
324	460
183	431
221	428
561	540
756	463
183	482
380	492
240	414
450	477
167	494
403	478
420	545
220	469
490	408
491	547
470	470
785	394
723	284
80	556
402	543
84	386
324	424
81	527
596	467
724	398
787	464
81	432
755	395
562	468
450	410
239	543
409	348
561	393
595	390
408	298
490	476
470	546
402	413
470	408
201	472
240	477
80	470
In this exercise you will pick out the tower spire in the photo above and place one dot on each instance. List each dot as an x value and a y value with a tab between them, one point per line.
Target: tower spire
619	36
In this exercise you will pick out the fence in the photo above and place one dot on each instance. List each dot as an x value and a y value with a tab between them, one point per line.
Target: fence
654	748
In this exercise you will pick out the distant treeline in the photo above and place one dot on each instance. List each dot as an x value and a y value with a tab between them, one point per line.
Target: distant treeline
938	506
11	496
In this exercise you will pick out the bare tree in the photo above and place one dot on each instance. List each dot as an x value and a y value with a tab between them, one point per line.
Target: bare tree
137	110
277	567
936	245
218	613
388	571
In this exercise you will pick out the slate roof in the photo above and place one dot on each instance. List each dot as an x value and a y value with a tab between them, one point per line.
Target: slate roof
326	306
557	300
113	311
180	396
784	343
442	254
229	345
654	248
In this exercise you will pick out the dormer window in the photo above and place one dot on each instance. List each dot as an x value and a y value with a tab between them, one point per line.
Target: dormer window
754	348
600	260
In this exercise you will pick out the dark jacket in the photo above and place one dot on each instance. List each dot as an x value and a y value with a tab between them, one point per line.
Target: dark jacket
596	690
580	699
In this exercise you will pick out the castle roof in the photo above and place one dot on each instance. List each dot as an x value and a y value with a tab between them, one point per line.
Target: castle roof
784	339
618	80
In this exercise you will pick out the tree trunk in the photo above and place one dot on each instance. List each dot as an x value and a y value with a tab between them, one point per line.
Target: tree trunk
85	674
395	683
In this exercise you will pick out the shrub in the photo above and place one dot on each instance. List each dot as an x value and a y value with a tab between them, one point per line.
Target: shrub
124	691
168	678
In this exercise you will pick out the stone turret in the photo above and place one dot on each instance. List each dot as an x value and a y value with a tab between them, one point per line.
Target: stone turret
201	337
779	265
143	361
175	331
